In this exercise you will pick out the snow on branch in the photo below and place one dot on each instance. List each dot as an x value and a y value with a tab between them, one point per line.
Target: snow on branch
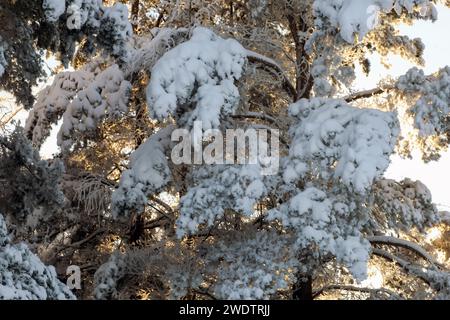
149	51
108	275
195	80
148	174
432	108
336	154
253	265
3	62
344	143
53	9
318	221
219	187
24	276
358	17
35	184
108	24
87	95
403	204
106	96
53	100
426	110
392	241
402	84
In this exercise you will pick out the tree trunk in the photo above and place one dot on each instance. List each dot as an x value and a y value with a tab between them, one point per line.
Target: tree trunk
135	15
303	290
303	79
137	228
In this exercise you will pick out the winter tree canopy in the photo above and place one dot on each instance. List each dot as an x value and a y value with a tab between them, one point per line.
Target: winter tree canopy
155	105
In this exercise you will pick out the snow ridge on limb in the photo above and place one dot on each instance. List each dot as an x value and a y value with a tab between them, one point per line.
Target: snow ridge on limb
195	80
341	142
148	174
405	244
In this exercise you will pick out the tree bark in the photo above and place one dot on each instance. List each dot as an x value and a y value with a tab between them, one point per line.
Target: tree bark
137	227
303	79
303	85
303	290
135	15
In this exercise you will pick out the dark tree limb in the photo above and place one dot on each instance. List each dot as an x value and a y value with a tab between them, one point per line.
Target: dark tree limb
271	66
255	115
367	93
304	80
303	290
135	15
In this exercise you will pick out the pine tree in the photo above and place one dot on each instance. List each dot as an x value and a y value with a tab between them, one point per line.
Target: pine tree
160	229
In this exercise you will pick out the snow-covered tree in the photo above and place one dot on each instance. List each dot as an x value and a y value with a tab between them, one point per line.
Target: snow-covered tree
23	275
56	26
154	228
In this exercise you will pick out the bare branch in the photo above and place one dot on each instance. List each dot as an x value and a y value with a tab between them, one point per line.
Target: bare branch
256	115
87	239
367	93
4	122
274	66
157	223
264	127
169	214
376	91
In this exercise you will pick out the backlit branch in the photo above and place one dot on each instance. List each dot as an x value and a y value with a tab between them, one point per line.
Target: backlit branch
404	244
272	67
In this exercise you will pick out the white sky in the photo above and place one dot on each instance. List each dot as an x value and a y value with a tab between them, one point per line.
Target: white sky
435	175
